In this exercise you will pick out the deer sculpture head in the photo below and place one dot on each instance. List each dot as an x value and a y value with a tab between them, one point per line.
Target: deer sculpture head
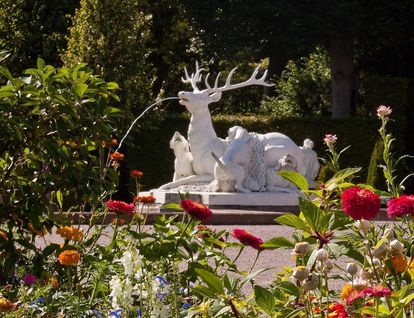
197	101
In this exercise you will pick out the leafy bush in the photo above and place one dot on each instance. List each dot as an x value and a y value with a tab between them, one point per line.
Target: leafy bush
54	122
303	89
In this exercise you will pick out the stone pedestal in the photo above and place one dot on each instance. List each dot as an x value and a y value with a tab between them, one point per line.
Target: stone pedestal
275	201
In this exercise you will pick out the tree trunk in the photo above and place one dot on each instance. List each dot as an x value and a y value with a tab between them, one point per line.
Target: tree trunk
342	75
277	63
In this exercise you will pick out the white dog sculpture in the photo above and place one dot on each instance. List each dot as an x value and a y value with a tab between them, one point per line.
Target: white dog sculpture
183	164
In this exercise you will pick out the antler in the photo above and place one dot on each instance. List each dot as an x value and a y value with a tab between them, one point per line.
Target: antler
194	78
228	86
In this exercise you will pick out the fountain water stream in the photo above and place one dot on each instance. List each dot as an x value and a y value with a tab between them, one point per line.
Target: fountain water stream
142	114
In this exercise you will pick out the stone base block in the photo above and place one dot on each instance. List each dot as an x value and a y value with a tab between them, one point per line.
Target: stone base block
230	199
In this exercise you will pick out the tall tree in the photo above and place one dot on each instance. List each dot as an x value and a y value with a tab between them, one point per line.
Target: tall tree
34	28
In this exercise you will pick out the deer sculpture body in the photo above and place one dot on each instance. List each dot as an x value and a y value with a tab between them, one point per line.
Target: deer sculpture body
206	147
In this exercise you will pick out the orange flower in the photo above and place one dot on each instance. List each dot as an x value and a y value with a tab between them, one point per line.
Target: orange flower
53	282
117	156
3	235
147	199
41	232
399	263
70	233
69	257
136	173
6	305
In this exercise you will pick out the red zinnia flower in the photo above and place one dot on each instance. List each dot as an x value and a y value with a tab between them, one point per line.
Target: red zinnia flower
247	238
117	156
337	311
120	207
136	173
146	199
360	203
397	207
196	210
376	291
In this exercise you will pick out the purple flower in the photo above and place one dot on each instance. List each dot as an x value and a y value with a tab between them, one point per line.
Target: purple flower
29	279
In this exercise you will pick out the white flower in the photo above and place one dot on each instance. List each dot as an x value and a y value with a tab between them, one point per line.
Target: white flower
383	111
351	268
397	247
132	262
322	255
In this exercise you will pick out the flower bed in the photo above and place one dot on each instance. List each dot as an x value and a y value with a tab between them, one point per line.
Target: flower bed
179	268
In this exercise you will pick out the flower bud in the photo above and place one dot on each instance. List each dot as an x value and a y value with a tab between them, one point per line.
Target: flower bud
389	234
380	251
311	282
301	248
351	268
322	255
329	265
397	247
364	275
300	273
363	225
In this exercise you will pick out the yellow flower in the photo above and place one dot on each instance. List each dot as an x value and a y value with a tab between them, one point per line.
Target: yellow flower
346	291
69	257
6	305
399	263
41	232
70	233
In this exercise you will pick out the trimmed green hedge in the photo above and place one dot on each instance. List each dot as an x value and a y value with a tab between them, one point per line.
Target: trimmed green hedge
149	150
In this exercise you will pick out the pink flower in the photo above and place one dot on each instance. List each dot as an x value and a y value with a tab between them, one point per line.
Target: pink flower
247	238
330	140
397	207
337	310
121	207
29	279
376	291
196	210
383	111
360	203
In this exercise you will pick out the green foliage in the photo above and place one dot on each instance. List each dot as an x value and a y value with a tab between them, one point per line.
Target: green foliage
112	37
54	123
303	89
375	177
31	29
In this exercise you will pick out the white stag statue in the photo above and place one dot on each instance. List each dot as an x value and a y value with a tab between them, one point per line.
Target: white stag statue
238	163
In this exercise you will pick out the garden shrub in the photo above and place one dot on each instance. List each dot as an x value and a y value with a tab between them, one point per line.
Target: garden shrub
303	89
55	123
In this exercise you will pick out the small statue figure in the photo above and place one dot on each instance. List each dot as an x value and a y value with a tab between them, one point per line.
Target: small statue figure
311	161
275	182
183	164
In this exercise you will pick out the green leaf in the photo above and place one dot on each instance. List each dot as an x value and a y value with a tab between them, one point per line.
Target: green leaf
59	198
296	178
212	280
342	175
40	64
80	89
204	291
6	73
264	299
293	221
111	85
289	288
313	215
172	207
277	242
